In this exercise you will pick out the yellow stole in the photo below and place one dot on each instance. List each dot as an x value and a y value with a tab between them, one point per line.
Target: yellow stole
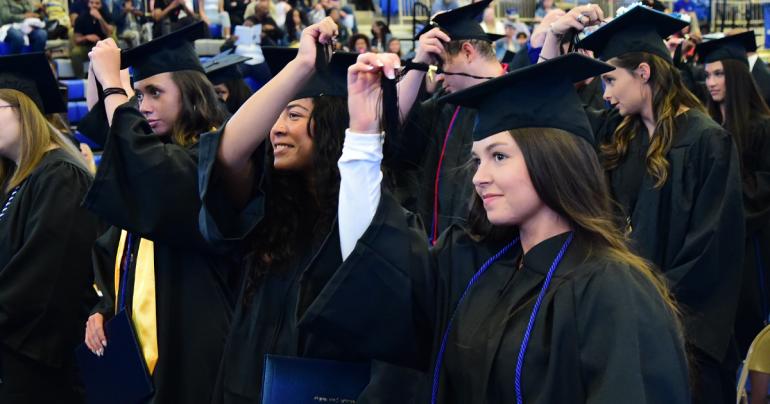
143	313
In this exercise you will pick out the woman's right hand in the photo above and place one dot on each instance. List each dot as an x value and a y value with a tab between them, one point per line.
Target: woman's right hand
364	89
95	340
322	33
577	19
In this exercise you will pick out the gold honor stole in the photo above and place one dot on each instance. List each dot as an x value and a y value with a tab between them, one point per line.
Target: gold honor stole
143	314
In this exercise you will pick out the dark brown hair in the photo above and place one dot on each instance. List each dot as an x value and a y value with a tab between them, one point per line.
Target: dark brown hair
669	95
300	210
581	197
743	105
201	109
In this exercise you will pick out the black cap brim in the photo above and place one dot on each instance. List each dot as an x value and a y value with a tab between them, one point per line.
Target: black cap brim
224	67
537	96
640	29
461	23
730	47
168	53
31	74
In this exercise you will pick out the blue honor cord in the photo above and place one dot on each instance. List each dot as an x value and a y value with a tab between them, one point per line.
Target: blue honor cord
530	325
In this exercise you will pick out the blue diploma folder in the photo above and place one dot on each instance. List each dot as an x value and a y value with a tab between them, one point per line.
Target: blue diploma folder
312	381
120	376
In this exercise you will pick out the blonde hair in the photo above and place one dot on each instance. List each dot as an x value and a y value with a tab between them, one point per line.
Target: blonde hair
37	136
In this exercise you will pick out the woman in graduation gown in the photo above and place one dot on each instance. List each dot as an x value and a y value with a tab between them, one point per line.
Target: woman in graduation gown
178	292
675	174
542	301
269	189
45	240
736	103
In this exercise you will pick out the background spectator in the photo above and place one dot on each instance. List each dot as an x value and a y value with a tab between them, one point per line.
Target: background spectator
90	28
166	18
296	21
128	18
543	8
394	46
490	24
358	43
443	5
20	18
260	10
380	36
57	22
212	12
236	9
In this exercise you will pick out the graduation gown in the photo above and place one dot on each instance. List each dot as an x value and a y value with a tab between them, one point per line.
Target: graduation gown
148	186
45	270
412	157
292	312
761	73
602	333
755	298
692	227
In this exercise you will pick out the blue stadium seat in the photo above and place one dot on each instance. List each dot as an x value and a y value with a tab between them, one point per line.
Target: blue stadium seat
253	85
76	89
84	139
4	49
216	31
76	110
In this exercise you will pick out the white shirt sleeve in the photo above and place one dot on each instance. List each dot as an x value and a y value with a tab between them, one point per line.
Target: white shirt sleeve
360	179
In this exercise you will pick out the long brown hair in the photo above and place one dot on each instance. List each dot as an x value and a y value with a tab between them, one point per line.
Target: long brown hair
669	95
743	105
581	197
299	211
201	109
37	136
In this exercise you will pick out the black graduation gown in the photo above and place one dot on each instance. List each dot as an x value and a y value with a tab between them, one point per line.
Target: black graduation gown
691	228
149	187
412	157
45	270
290	313
602	333
755	292
761	73
592	94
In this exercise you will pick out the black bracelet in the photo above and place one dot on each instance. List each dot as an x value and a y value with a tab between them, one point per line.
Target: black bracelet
114	90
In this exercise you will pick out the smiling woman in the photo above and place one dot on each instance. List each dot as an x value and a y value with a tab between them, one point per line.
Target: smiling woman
543	286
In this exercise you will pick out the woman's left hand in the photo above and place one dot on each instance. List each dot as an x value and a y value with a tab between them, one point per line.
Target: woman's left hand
364	89
105	62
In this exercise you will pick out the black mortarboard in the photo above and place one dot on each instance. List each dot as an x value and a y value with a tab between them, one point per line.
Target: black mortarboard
462	23
640	29
729	47
168	53
330	79
538	96
277	57
224	67
31	74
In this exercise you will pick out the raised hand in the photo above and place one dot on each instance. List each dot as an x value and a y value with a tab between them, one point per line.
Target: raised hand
105	59
364	89
431	46
323	32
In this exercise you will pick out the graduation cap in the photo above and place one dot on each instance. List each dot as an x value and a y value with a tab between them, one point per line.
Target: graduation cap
31	74
537	96
729	47
224	67
461	23
168	53
277	57
328	80
640	29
